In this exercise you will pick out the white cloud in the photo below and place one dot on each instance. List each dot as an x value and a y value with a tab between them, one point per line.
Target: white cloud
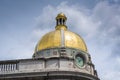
111	76
98	26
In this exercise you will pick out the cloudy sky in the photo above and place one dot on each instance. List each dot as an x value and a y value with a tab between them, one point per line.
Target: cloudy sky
23	22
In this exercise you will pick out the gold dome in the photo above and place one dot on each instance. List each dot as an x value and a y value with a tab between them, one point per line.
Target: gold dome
61	37
54	39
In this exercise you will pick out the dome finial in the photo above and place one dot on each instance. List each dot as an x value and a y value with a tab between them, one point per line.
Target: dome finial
61	15
61	21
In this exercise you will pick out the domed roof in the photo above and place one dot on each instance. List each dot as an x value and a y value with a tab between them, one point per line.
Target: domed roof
61	37
58	39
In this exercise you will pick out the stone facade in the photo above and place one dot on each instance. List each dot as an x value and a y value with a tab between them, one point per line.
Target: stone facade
59	65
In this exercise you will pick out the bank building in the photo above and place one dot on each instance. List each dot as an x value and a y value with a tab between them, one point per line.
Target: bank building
59	55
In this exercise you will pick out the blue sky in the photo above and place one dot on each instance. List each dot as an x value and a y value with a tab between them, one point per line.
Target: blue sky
23	22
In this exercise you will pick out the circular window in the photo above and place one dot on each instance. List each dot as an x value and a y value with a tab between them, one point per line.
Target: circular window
79	60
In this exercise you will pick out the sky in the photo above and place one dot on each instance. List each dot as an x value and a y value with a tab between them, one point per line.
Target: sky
24	22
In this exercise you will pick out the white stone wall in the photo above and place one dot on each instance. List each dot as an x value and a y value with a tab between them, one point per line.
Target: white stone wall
43	65
64	63
52	64
31	65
